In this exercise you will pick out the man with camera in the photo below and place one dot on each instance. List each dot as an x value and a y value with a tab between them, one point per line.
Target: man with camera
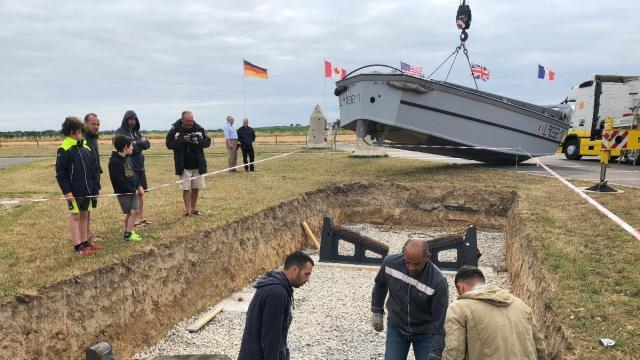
188	140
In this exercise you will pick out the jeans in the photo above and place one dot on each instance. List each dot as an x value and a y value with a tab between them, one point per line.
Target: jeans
397	345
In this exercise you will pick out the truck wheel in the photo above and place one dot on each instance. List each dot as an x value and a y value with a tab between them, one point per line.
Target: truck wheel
572	149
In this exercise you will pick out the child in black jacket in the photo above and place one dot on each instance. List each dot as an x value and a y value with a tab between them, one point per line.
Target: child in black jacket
125	183
77	177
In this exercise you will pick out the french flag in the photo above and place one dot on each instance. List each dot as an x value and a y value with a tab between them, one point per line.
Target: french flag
544	73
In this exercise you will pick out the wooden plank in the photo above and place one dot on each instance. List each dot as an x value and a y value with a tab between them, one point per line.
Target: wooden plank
310	235
204	320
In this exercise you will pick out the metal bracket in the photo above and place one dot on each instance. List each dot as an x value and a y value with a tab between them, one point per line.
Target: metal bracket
99	351
466	247
331	237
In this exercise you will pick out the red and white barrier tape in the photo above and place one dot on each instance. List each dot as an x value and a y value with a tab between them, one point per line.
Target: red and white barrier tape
30	201
617	220
450	147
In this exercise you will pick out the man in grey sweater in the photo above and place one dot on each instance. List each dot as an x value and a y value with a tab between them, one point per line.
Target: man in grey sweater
417	304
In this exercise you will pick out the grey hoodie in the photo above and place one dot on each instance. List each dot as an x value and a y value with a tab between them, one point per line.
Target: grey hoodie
137	157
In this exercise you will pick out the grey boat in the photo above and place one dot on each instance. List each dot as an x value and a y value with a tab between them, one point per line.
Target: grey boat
411	113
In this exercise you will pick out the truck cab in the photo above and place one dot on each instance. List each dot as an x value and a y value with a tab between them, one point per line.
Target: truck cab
590	103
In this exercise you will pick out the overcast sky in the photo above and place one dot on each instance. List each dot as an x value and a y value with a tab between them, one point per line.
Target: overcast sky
61	58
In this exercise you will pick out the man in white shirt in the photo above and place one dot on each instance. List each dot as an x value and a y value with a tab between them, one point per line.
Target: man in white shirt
231	137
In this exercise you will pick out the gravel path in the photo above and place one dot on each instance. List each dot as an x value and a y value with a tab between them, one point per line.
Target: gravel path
8	162
332	311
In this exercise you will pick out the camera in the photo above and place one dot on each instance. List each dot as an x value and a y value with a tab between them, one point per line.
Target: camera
193	138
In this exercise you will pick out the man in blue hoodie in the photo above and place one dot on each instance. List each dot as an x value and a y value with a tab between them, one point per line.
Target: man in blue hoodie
131	127
269	315
417	304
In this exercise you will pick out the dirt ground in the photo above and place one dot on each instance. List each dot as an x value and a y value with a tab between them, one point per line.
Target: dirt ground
134	302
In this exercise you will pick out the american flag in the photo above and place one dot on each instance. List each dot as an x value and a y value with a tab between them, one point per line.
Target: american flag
480	72
410	69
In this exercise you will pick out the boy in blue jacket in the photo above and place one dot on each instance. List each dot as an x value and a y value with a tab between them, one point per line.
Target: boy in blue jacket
77	177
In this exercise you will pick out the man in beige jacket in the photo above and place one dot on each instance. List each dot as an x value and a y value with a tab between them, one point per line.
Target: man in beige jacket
487	322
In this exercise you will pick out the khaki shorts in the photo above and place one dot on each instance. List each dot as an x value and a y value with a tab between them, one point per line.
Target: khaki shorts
186	184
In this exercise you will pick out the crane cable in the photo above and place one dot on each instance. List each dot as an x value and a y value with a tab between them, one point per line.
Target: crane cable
463	22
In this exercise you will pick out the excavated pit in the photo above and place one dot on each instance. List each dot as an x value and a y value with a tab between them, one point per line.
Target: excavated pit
332	312
133	303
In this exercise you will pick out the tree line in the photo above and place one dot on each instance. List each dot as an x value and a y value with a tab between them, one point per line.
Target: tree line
291	128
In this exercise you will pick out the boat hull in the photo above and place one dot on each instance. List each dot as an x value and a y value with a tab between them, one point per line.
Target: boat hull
447	119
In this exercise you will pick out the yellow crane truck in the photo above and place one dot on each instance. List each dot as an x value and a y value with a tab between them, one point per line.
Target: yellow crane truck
589	104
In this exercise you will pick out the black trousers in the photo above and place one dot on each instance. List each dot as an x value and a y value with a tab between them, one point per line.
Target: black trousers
247	150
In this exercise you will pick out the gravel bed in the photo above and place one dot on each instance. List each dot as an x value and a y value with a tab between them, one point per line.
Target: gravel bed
332	311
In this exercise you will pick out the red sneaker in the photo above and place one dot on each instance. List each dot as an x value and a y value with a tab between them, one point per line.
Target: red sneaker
94	246
85	250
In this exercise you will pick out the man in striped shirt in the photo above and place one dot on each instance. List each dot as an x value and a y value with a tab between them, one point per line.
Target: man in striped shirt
417	304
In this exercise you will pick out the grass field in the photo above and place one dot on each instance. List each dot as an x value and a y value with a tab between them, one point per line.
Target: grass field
47	148
591	265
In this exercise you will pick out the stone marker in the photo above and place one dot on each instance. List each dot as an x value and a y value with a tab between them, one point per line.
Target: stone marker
317	137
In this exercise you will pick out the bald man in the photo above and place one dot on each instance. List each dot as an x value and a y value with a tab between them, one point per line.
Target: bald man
246	137
417	304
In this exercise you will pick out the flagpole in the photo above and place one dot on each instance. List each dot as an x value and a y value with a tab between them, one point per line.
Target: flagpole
244	94
324	94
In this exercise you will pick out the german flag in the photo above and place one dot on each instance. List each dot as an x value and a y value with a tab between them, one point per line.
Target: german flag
254	71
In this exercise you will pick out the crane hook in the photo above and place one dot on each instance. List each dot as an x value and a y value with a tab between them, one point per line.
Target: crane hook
463	20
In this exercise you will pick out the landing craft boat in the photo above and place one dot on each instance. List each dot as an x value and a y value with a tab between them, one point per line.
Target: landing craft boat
402	111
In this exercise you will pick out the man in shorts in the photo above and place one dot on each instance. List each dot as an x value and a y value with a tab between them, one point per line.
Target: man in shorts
188	140
125	183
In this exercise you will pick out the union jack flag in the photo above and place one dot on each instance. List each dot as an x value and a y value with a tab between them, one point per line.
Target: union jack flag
410	69
480	72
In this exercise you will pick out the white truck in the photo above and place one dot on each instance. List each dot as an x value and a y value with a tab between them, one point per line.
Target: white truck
588	104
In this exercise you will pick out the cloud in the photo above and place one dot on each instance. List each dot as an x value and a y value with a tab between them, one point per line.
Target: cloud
61	58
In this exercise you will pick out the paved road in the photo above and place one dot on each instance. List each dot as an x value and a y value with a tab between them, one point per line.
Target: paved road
7	162
586	169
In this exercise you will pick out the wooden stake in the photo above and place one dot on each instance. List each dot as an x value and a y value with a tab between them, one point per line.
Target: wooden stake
204	320
310	235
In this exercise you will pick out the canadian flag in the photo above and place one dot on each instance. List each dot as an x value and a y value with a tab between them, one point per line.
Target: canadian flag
331	71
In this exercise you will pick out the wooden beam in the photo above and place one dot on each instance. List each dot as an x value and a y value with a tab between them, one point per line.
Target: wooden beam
204	320
310	235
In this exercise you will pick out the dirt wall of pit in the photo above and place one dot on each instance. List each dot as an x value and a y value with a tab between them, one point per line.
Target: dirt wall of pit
528	283
131	304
